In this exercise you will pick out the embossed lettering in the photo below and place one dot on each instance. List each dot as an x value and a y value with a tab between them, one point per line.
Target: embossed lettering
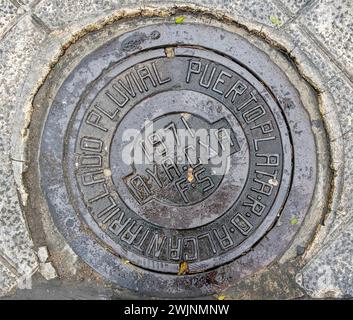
91	144
238	88
242	224
271	160
223	237
262	140
130	234
254	113
94	118
175	248
219	81
256	206
194	67
90	178
118	225
156	245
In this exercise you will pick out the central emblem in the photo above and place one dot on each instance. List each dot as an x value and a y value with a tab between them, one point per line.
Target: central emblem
178	159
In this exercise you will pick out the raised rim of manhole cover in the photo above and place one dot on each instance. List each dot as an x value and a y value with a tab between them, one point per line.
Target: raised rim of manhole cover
172	144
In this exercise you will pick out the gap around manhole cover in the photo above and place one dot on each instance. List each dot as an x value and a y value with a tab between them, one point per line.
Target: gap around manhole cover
173	145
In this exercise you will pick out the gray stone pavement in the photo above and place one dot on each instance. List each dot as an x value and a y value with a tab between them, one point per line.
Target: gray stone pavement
318	34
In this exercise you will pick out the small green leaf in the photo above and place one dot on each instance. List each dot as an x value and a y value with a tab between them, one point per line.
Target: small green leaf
294	221
276	21
179	20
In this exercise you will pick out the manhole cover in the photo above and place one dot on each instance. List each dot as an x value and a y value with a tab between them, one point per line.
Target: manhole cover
174	143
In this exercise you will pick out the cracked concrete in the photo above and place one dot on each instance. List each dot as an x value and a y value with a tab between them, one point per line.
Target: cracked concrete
317	34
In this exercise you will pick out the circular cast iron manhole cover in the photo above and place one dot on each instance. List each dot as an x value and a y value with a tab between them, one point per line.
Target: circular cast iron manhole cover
161	207
174	144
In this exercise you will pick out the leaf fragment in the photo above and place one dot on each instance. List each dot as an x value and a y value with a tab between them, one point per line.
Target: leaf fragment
276	21
183	268
179	20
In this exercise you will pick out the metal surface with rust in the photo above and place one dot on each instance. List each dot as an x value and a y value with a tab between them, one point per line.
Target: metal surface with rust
107	219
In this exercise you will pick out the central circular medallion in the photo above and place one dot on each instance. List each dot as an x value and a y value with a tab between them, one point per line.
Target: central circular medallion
173	164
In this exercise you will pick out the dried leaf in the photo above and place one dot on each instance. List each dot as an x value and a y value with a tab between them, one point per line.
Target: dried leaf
169	52
190	176
183	268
